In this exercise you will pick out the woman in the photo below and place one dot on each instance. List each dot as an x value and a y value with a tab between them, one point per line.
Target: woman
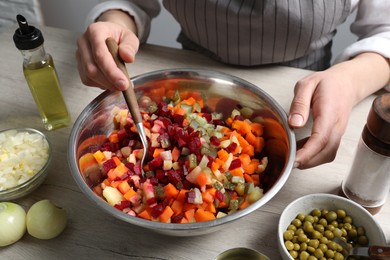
252	33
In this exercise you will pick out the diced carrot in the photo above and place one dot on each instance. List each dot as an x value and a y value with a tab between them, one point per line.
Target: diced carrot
256	179
111	174
170	191
257	128
248	149
252	166
237	172
247	178
145	214
157	152
183	220
229	121
244	204
86	161
189	215
129	194
207	197
215	166
116	160
188	206
211	208
182	195
188	101
107	182
223	154
202	179
166	215
212	191
244	158
177	207
99	156
124	187
178	110
202	215
175	154
120	170
242	127
113	137
115	184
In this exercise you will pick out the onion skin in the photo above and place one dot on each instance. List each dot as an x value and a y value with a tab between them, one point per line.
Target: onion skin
12	223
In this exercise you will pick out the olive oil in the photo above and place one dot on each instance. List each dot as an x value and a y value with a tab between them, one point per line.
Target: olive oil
45	87
41	76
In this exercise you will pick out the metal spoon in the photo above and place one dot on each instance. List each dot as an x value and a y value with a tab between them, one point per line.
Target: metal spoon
130	98
370	252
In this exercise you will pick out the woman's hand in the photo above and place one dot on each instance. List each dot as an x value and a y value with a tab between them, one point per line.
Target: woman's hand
331	95
95	63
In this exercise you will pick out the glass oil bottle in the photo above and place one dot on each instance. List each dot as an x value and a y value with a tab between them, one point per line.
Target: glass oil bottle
41	76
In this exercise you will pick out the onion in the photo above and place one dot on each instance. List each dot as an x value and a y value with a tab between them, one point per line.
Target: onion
12	223
22	155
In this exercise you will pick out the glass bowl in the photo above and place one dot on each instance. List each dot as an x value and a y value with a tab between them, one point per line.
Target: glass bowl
35	138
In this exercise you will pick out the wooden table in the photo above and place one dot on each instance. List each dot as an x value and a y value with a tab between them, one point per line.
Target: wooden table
93	234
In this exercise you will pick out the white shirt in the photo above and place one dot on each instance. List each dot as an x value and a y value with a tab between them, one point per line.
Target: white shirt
372	23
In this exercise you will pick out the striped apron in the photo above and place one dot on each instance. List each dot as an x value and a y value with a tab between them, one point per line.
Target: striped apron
295	33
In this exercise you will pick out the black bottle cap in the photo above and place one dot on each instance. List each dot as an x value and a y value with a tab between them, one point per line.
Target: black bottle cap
27	37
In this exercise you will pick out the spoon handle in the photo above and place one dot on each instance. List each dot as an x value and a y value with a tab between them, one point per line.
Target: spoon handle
128	94
379	252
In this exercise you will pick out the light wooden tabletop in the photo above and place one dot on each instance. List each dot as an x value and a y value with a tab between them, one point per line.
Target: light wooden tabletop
92	233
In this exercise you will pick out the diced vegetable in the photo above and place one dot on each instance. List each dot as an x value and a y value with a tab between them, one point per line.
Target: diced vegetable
202	167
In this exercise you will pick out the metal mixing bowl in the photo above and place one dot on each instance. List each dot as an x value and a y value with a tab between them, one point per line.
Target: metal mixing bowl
222	92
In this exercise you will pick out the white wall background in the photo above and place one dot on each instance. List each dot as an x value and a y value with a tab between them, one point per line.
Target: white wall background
70	14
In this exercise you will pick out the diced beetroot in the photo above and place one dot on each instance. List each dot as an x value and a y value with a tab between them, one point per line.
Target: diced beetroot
232	147
122	205
160	174
157	210
121	134
235	164
162	109
190	196
108	165
155	163
217	122
179	119
194	145
177	218
166	121
163	139
215	141
211	160
207	116
153	181
174	177
109	147
219	195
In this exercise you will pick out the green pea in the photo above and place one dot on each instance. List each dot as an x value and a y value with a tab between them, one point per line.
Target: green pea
309	218
304	255
318	253
323	222
347	219
314	243
293	254
337	232
316	212
362	240
301	217
338	256
303	246
316	234
323	247
308	227
288	235
289	245
352	233
329	253
331	216
297	222
361	231
320	228
341	213
292	227
302	238
329	234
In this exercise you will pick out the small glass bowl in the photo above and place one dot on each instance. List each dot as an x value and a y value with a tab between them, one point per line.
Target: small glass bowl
31	184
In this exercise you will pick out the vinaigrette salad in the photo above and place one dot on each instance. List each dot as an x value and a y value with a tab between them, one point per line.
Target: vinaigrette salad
203	166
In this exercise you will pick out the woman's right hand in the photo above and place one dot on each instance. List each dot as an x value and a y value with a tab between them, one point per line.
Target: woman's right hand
96	66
